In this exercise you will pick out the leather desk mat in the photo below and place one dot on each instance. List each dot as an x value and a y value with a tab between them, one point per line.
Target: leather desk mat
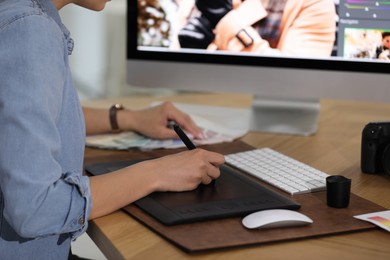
224	233
229	232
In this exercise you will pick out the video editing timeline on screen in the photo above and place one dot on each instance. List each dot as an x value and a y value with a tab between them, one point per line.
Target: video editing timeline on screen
365	9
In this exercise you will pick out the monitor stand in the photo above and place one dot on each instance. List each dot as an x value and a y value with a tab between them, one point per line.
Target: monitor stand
285	116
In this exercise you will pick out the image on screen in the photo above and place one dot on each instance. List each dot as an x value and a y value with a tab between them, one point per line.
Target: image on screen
312	29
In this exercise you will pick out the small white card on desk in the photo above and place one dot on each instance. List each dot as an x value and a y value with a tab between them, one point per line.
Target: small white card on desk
381	219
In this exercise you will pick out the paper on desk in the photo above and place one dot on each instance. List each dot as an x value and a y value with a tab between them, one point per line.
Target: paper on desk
381	219
215	132
128	140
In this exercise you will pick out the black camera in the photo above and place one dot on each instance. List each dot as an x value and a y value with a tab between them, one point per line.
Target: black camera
375	154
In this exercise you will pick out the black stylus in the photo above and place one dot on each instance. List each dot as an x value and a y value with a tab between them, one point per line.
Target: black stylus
186	140
190	145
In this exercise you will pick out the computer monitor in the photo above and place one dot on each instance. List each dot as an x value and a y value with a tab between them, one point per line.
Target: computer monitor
289	54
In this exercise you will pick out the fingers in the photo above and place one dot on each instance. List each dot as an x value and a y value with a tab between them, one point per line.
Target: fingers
153	121
185	170
216	159
209	178
183	119
212	162
213	171
190	127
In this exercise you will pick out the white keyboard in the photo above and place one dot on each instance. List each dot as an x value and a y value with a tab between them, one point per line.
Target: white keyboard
279	170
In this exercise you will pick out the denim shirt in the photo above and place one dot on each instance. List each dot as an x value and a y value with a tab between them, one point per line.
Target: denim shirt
44	197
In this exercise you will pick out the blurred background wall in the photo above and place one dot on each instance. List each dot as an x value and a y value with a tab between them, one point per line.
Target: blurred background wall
98	59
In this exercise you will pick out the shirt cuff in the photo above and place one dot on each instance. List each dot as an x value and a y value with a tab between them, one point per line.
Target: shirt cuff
80	223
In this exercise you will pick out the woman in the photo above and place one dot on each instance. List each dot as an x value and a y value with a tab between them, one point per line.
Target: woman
44	199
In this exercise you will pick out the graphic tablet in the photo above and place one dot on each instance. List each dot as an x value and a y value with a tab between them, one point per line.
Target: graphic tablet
233	194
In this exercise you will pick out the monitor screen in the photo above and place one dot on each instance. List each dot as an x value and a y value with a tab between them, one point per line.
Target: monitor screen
294	50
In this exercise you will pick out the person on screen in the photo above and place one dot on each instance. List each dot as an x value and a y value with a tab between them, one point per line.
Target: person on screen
270	27
45	200
383	51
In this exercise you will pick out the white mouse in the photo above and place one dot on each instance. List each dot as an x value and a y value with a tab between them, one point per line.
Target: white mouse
275	218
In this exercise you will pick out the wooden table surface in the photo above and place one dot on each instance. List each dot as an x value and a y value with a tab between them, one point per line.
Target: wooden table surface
334	149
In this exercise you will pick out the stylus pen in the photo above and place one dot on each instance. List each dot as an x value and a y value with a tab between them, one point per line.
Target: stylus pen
190	145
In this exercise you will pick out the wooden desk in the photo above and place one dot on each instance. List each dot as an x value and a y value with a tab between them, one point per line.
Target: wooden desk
335	149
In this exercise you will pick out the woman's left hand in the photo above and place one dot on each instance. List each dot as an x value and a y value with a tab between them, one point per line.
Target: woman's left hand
153	121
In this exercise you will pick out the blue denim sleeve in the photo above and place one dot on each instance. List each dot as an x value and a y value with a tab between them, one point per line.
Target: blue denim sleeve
43	187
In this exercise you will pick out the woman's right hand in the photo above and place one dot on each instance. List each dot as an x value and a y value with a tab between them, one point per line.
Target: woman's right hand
186	170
